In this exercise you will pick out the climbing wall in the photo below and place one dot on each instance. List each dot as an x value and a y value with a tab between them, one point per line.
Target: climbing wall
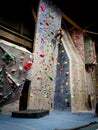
86	49
78	40
41	94
15	63
91	62
62	97
91	86
70	73
77	75
90	54
96	72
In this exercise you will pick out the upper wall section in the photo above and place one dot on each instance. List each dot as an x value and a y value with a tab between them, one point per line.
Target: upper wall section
49	21
90	54
78	40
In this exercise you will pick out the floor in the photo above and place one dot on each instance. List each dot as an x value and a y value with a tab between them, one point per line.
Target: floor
56	119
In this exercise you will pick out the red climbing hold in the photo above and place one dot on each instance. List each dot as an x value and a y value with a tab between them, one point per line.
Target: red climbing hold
27	65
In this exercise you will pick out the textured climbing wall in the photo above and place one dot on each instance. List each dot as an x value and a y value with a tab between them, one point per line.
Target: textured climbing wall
96	70
96	73
62	98
78	40
90	55
77	75
13	72
86	49
91	86
91	62
41	94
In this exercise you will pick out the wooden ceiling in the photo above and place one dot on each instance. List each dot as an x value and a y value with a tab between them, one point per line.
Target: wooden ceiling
82	12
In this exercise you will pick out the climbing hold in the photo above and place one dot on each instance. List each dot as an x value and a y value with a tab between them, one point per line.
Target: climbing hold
22	57
14	46
61	69
52	58
20	68
0	109
52	17
46	96
58	63
43	8
72	96
23	52
62	51
50	78
41	54
3	57
66	83
47	23
5	54
13	70
27	65
67	73
1	86
52	33
66	100
39	77
13	55
65	62
31	95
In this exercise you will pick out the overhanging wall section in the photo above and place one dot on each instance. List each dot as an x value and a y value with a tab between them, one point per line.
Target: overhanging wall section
12	74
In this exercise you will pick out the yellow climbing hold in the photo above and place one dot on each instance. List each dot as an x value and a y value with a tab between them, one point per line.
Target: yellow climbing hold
58	63
31	95
66	100
62	51
65	62
66	83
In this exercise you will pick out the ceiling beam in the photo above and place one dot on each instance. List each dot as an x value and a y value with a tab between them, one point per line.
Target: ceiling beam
34	15
16	39
71	21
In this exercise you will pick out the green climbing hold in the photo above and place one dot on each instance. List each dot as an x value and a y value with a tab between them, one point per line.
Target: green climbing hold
0	79
50	78
3	57
13	46
1	86
0	109
13	55
5	54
